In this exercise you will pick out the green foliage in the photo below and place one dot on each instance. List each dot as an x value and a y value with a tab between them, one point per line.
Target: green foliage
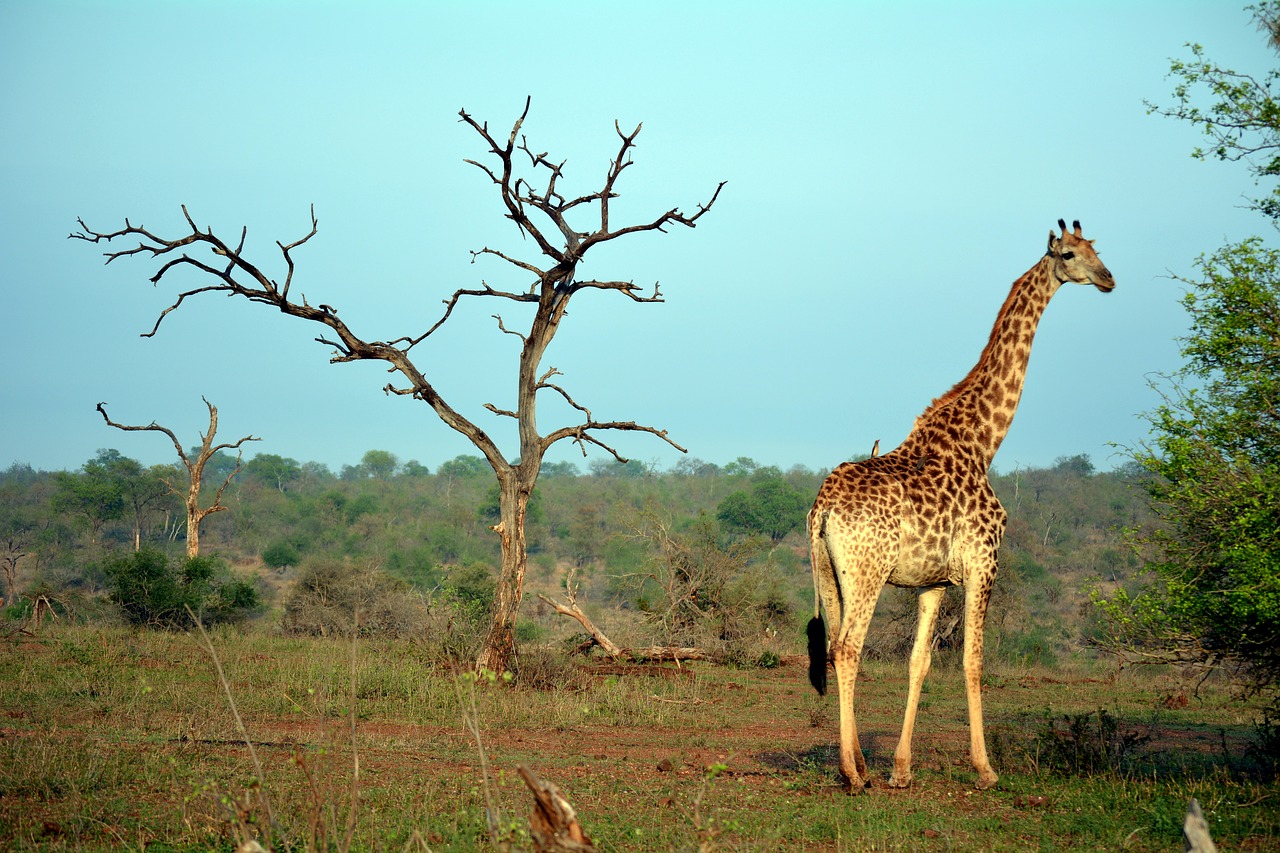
465	466
772	507
424	528
218	467
632	469
1242	121
153	591
417	567
414	468
96	492
380	464
473	586
697	588
1028	645
25	523
280	555
1264	750
1214	456
490	509
274	470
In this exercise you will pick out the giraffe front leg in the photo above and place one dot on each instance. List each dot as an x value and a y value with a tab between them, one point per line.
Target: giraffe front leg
930	600
976	597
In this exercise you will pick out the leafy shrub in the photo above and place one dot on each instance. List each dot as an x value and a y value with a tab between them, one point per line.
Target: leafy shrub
1088	744
1033	646
417	567
700	590
281	555
473	587
335	598
152	591
1264	748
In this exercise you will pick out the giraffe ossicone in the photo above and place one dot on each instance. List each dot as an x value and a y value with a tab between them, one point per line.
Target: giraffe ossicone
924	515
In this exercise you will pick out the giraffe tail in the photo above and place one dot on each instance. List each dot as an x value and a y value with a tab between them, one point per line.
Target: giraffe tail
816	630
817	655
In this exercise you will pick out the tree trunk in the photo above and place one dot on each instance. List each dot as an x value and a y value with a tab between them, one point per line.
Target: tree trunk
194	515
499	651
193	530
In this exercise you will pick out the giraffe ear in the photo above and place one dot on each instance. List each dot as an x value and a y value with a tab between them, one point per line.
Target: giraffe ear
1054	241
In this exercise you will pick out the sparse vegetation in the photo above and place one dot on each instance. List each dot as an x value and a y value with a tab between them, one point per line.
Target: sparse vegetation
1090	744
116	737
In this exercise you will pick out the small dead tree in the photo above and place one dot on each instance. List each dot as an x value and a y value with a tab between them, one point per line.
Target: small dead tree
542	214
13	549
195	470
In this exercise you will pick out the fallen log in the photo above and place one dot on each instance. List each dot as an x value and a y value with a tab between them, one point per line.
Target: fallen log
616	652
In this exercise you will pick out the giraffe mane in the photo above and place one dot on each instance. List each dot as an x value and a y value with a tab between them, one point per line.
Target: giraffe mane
963	386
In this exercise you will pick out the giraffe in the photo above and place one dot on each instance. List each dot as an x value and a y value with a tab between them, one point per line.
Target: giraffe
924	516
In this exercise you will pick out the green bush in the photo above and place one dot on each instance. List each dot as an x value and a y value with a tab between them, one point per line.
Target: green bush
473	587
152	591
281	555
417	567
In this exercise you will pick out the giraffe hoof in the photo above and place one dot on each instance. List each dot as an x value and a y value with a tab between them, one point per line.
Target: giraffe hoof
854	785
987	780
896	781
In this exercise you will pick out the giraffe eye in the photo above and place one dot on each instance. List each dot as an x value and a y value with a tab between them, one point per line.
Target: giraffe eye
1066	256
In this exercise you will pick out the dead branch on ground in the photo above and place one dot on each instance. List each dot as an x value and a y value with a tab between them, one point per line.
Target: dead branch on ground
553	824
612	649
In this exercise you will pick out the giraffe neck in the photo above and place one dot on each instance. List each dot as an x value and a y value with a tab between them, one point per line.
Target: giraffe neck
975	415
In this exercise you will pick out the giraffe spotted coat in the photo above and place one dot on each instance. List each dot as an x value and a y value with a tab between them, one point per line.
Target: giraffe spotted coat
924	516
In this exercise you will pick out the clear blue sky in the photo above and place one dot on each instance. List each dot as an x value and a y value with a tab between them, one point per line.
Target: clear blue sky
891	168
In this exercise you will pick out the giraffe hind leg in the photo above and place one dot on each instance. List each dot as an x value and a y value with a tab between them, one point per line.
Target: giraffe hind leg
848	585
921	656
846	653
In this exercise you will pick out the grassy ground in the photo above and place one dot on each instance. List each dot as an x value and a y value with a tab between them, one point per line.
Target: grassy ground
113	739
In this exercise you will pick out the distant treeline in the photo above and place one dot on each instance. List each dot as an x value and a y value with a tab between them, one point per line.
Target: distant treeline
1067	524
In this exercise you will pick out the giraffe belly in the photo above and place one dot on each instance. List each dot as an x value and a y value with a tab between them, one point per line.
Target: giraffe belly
924	561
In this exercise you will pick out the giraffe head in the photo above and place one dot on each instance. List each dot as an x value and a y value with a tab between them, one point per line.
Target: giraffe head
1075	260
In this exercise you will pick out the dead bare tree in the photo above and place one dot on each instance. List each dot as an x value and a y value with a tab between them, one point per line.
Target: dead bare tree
195	471
14	547
541	213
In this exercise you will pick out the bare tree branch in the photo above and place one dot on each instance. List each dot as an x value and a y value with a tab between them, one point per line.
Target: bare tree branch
502	412
502	328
